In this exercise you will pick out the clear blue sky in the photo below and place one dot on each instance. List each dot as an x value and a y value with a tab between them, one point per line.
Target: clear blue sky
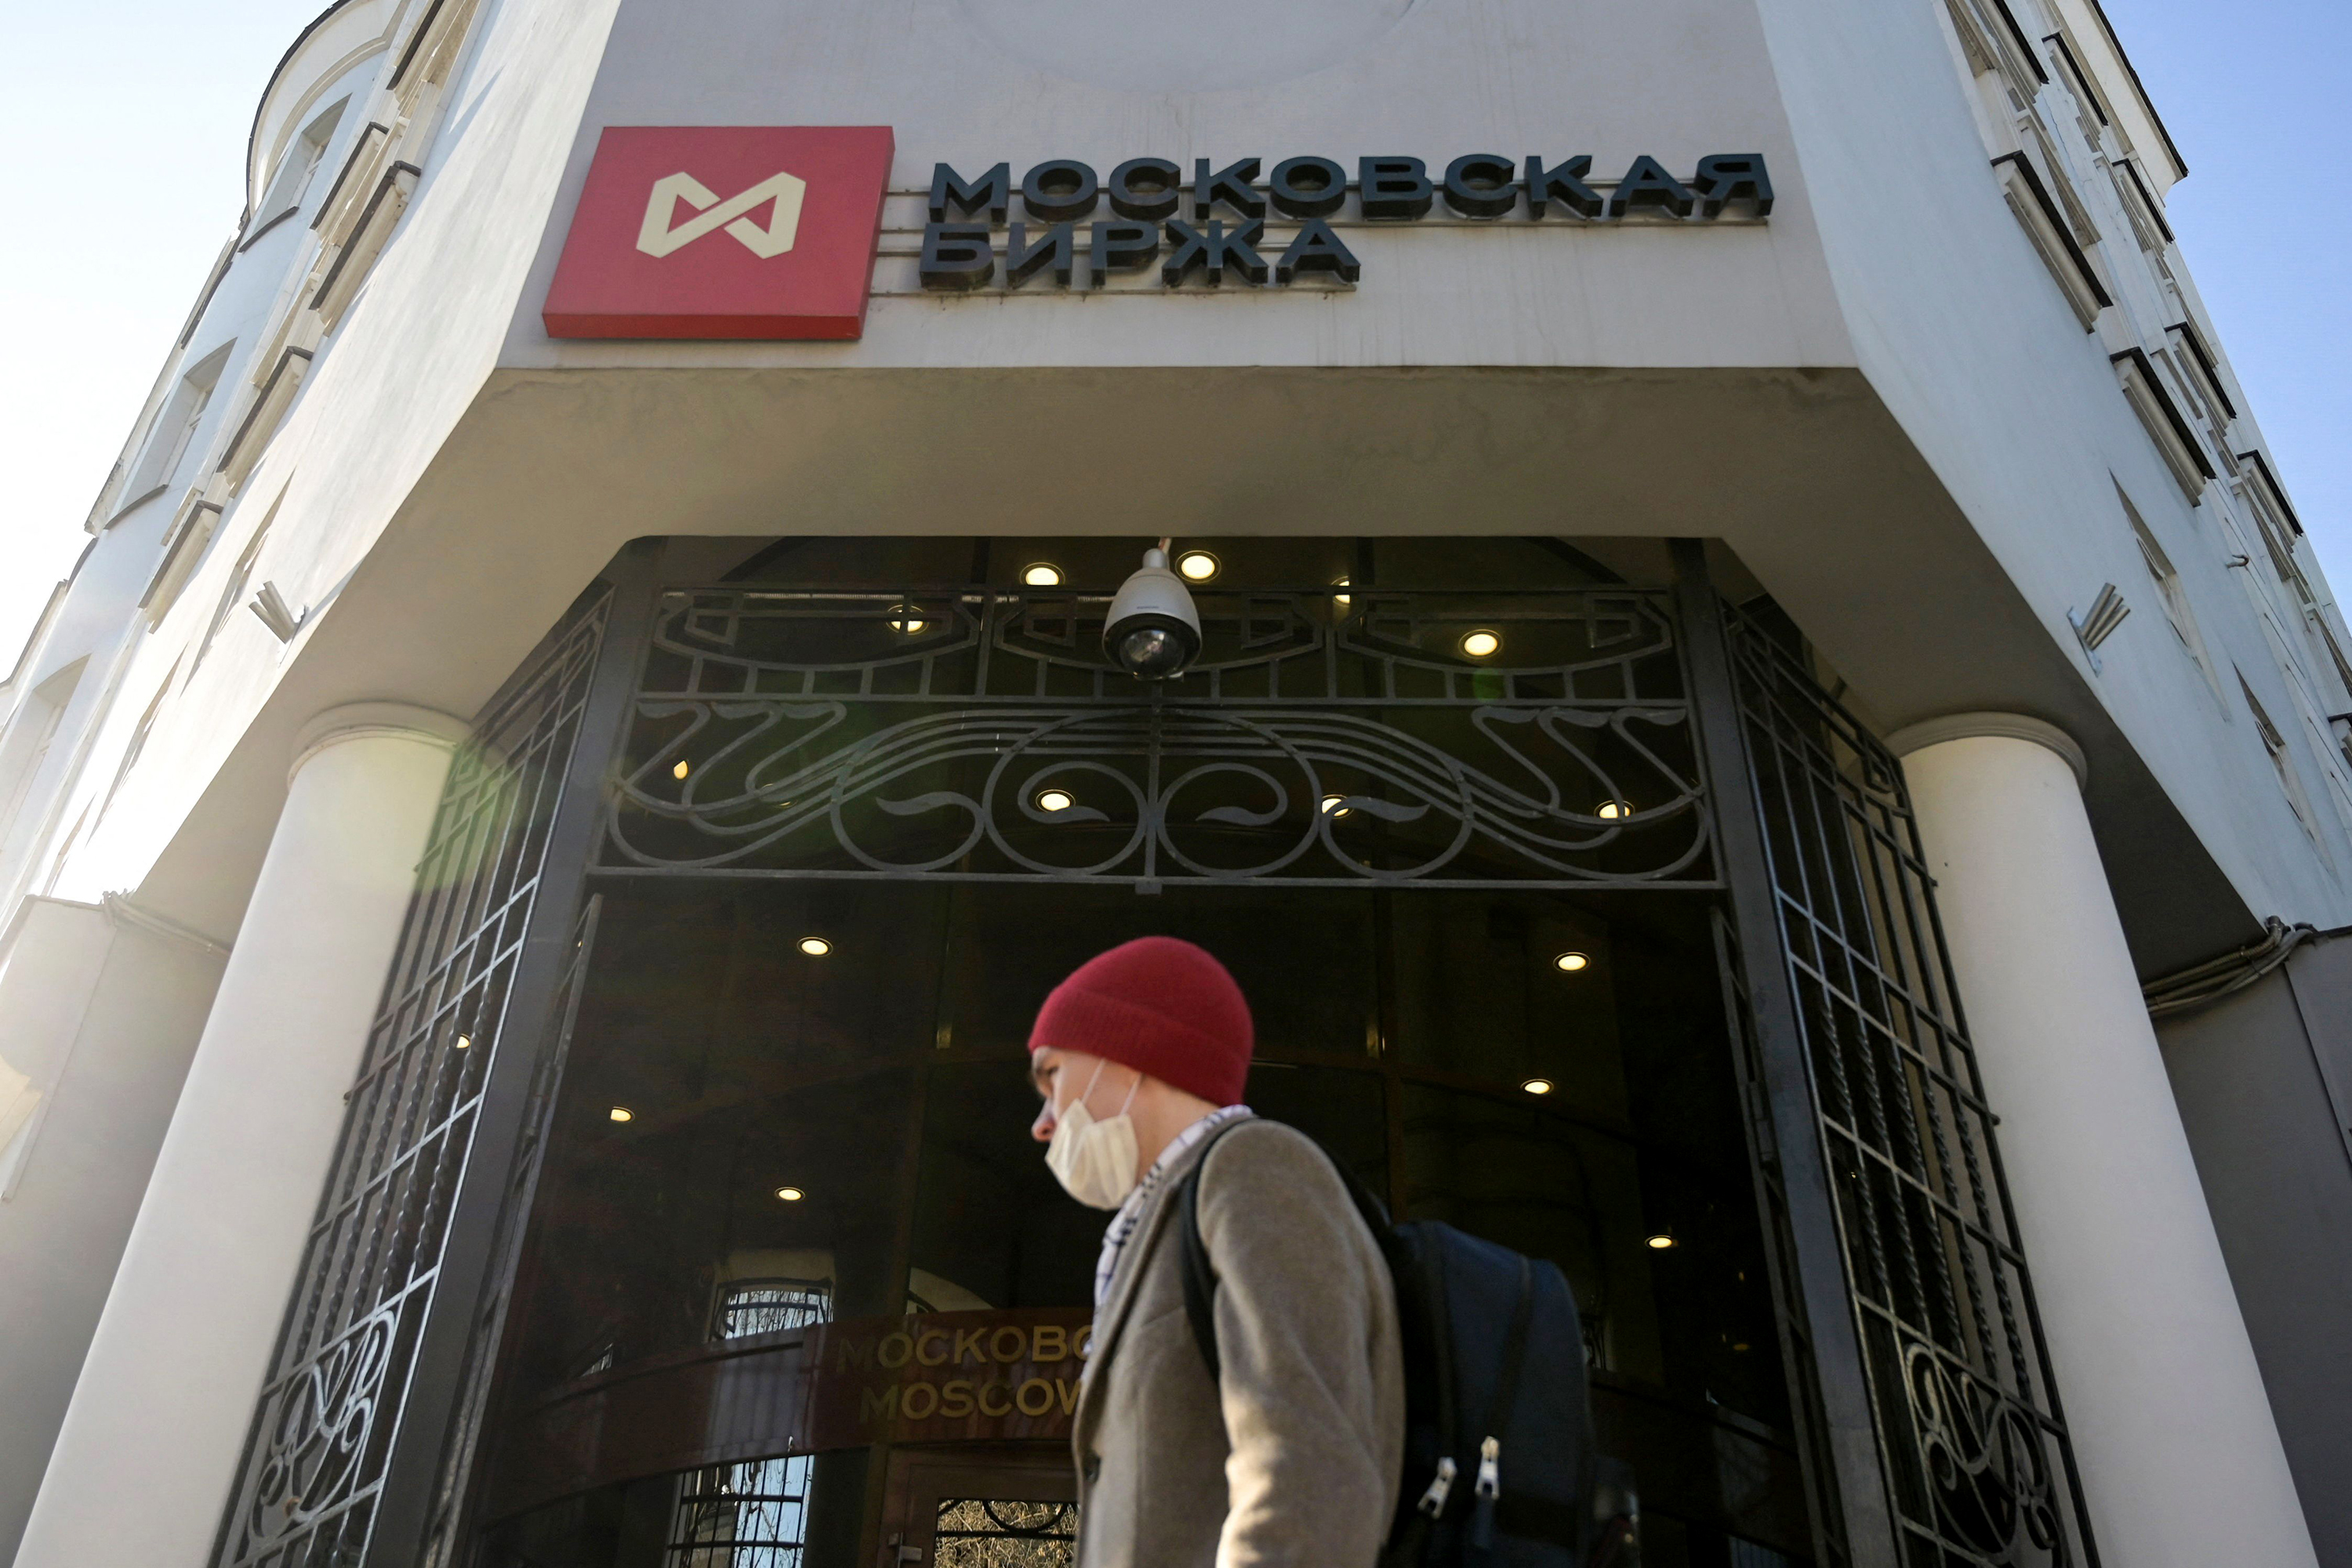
126	124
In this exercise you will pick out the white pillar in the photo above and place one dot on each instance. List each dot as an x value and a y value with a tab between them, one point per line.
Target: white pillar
146	1459
2179	1454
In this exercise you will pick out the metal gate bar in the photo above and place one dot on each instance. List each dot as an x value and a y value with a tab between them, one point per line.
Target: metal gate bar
1879	1121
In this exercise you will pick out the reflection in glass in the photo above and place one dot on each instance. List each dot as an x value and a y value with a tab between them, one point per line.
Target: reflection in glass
741	1516
750	1515
887	1085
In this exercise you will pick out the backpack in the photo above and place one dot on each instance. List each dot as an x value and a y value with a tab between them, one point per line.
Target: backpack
1499	1468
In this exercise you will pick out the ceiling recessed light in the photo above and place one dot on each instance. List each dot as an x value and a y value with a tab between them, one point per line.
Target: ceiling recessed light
681	771
1056	800
1570	962
464	1042
1197	565
1042	574
1538	1086
815	946
1340	599
622	1113
1613	811
1481	644
1336	805
791	1195
1659	1242
907	619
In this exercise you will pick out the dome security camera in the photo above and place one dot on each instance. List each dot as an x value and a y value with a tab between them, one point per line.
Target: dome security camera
1152	629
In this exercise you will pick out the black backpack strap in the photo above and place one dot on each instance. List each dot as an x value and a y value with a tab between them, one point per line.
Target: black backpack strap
1200	1278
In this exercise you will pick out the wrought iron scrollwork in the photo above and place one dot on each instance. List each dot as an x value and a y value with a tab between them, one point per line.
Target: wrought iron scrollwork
983	735
995	1532
320	1433
1986	1474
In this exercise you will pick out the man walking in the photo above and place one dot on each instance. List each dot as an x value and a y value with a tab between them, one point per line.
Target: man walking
1290	1454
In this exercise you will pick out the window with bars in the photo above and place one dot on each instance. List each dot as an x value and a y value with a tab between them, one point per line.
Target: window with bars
753	1514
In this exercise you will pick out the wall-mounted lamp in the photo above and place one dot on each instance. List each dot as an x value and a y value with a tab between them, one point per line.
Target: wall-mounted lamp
268	607
2098	624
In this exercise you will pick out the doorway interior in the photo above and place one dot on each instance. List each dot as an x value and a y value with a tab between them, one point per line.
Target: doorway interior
787	1103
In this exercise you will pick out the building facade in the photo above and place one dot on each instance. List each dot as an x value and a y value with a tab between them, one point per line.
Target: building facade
1763	727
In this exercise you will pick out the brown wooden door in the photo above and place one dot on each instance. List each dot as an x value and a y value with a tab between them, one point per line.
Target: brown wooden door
981	1505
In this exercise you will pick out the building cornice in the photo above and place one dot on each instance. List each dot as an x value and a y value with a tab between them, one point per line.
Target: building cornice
2002	726
375	720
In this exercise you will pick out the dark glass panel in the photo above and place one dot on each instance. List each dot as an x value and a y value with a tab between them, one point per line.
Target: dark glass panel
992	1226
1303	957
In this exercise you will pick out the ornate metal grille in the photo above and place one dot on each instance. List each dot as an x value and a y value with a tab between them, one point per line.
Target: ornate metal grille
1329	736
314	1464
990	1532
1971	1436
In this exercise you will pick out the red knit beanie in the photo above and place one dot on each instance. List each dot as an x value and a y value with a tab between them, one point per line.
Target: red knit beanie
1161	1006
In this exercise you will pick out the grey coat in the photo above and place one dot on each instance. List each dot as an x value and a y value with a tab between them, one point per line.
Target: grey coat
1294	1459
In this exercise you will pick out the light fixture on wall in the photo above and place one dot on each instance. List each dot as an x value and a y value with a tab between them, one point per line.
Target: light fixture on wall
1537	1086
268	607
464	1042
1053	800
815	946
2098	624
906	620
1659	1242
682	769
621	1113
791	1195
1042	574
1336	805
1198	565
1570	962
1613	810
1481	644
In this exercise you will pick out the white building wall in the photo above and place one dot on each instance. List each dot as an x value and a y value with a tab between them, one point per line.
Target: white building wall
1891	250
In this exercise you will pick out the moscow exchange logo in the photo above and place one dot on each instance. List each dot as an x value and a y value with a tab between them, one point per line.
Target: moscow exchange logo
656	237
724	231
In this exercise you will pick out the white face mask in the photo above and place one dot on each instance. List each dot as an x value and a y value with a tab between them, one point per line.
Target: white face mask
1094	1160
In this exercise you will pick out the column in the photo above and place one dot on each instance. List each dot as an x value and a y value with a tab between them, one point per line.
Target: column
2179	1456
149	1449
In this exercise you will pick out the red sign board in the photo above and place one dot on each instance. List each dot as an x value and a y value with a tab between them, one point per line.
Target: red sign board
724	232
